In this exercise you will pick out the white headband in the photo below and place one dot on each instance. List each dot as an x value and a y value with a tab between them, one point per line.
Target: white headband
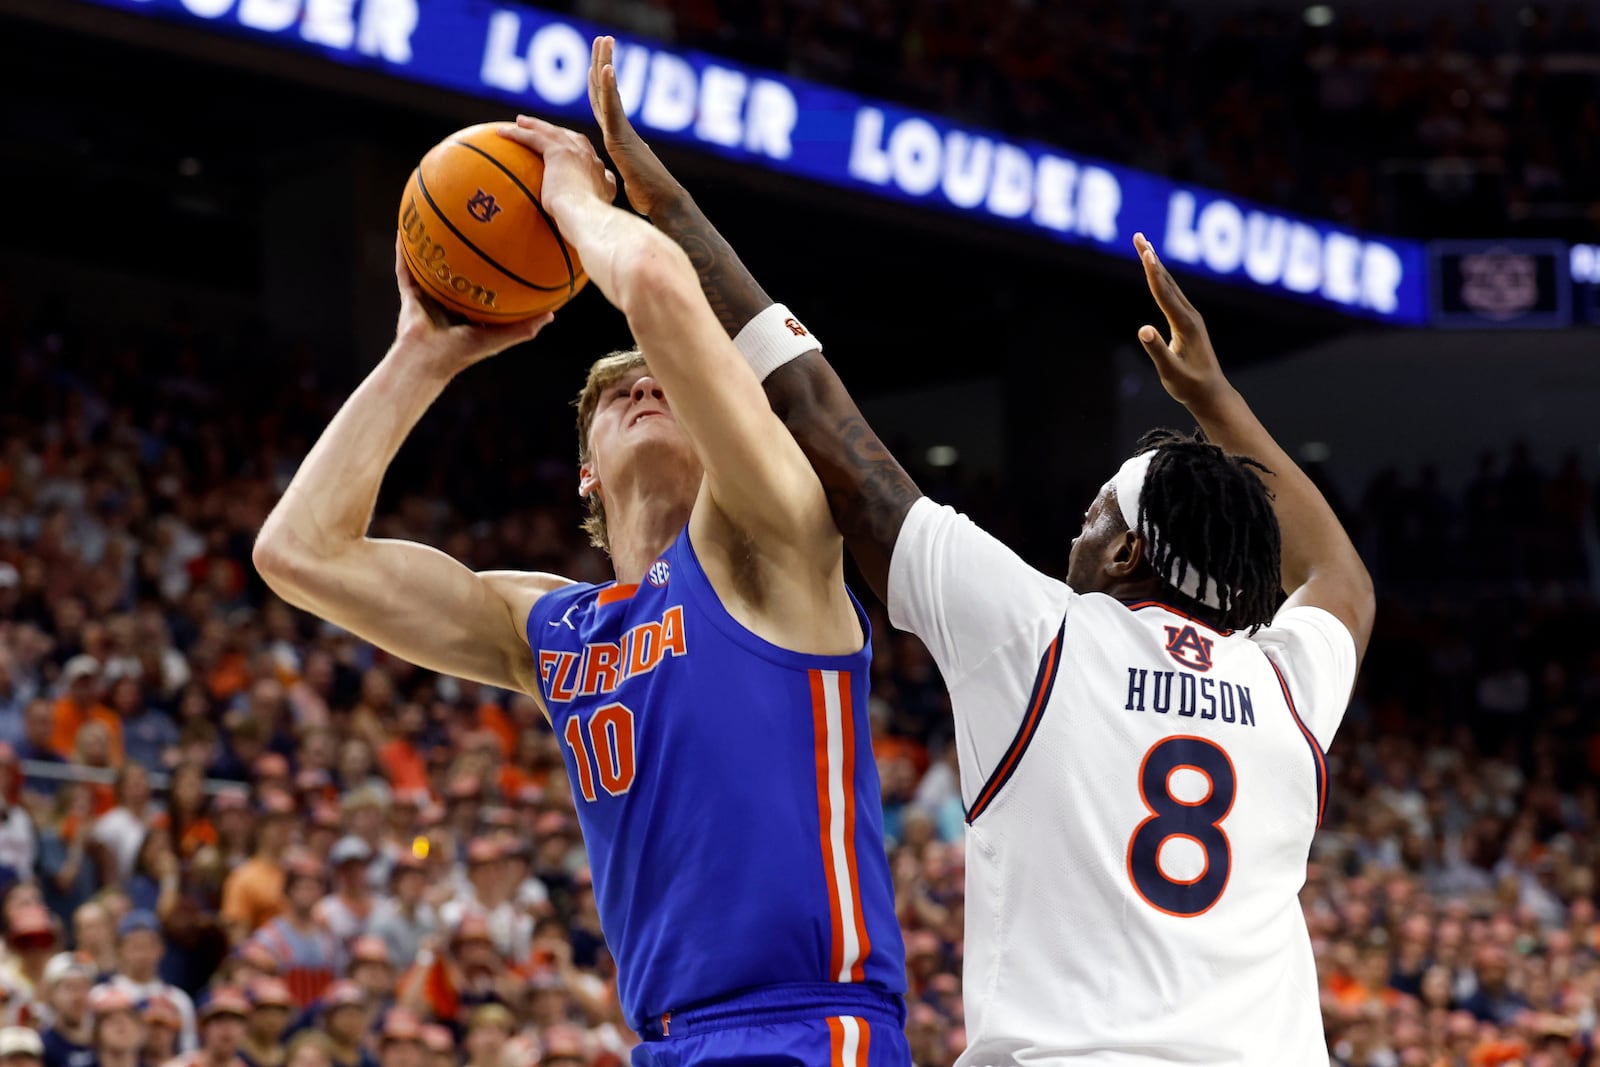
1129	484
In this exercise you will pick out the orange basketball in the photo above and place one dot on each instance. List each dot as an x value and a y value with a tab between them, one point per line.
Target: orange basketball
475	235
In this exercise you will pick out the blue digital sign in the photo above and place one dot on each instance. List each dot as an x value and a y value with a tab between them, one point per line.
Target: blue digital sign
534	61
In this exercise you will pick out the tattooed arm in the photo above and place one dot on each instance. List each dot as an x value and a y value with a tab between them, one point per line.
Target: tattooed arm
868	491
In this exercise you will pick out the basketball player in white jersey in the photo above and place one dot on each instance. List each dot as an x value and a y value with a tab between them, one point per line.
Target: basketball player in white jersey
1141	745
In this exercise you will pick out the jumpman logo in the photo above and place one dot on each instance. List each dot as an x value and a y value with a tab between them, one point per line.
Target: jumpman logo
567	618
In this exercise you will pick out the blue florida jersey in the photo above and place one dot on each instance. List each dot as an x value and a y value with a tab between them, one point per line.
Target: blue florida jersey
727	792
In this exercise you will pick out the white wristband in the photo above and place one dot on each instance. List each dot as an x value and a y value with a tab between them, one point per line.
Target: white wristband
772	339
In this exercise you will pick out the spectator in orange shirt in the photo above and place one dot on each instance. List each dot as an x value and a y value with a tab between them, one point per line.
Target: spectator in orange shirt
81	703
253	893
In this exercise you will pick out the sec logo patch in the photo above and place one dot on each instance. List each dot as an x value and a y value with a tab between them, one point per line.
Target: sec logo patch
659	573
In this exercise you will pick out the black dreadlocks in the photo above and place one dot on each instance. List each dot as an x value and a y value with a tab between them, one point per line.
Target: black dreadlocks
1214	513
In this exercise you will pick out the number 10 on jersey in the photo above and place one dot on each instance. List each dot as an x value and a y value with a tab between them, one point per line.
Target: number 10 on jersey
611	733
1197	821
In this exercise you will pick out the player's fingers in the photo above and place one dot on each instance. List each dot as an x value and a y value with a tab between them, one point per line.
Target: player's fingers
1181	315
527	136
614	119
1157	349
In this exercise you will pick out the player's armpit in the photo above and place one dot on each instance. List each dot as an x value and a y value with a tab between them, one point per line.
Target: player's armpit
417	603
868	491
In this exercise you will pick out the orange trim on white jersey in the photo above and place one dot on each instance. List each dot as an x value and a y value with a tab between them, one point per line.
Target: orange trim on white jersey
834	726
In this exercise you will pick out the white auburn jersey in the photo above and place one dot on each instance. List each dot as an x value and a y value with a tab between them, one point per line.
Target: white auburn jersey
1141	792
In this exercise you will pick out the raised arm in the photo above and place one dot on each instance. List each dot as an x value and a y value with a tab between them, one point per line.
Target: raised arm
1320	566
409	599
755	474
868	492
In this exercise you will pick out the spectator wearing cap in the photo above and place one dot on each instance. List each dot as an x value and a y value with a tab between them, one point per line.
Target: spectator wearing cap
140	947
489	892
489	1028
371	969
405	918
309	957
20	1047
347	911
31	940
69	1040
119	1029
122	830
438	1046
346	1017
254	892
400	1040
270	1007
563	1046
222	1023
38	745
162	1024
79	704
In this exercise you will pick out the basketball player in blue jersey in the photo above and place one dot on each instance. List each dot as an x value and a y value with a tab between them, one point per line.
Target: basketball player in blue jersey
1142	744
711	702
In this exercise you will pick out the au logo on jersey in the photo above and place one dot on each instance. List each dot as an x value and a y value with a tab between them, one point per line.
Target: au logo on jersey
482	206
659	573
1185	645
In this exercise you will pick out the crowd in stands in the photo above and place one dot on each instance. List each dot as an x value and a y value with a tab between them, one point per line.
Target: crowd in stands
232	834
1481	122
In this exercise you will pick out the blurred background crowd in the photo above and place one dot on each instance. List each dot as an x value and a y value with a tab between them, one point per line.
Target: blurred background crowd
232	834
1474	119
255	837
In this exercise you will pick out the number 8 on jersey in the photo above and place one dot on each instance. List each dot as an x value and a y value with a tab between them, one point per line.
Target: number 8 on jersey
1198	821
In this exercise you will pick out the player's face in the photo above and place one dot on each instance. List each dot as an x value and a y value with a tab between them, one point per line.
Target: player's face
635	435
1103	532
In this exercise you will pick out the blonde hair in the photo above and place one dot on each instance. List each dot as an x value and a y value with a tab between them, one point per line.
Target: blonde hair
606	372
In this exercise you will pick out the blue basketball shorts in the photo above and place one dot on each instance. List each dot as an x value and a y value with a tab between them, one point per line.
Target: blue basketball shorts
810	1025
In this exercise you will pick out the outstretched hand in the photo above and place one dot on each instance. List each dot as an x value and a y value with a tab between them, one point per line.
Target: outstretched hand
449	349
650	186
1188	365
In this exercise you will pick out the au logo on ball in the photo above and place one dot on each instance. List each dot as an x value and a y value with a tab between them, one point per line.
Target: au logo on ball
482	207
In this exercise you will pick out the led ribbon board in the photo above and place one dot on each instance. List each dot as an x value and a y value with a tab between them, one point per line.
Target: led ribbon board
531	60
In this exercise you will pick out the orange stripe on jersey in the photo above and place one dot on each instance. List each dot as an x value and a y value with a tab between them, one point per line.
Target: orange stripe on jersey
836	1043
1030	723
819	719
858	971
613	593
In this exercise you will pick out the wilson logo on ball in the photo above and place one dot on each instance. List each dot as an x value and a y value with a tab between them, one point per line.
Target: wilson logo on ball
427	261
482	206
